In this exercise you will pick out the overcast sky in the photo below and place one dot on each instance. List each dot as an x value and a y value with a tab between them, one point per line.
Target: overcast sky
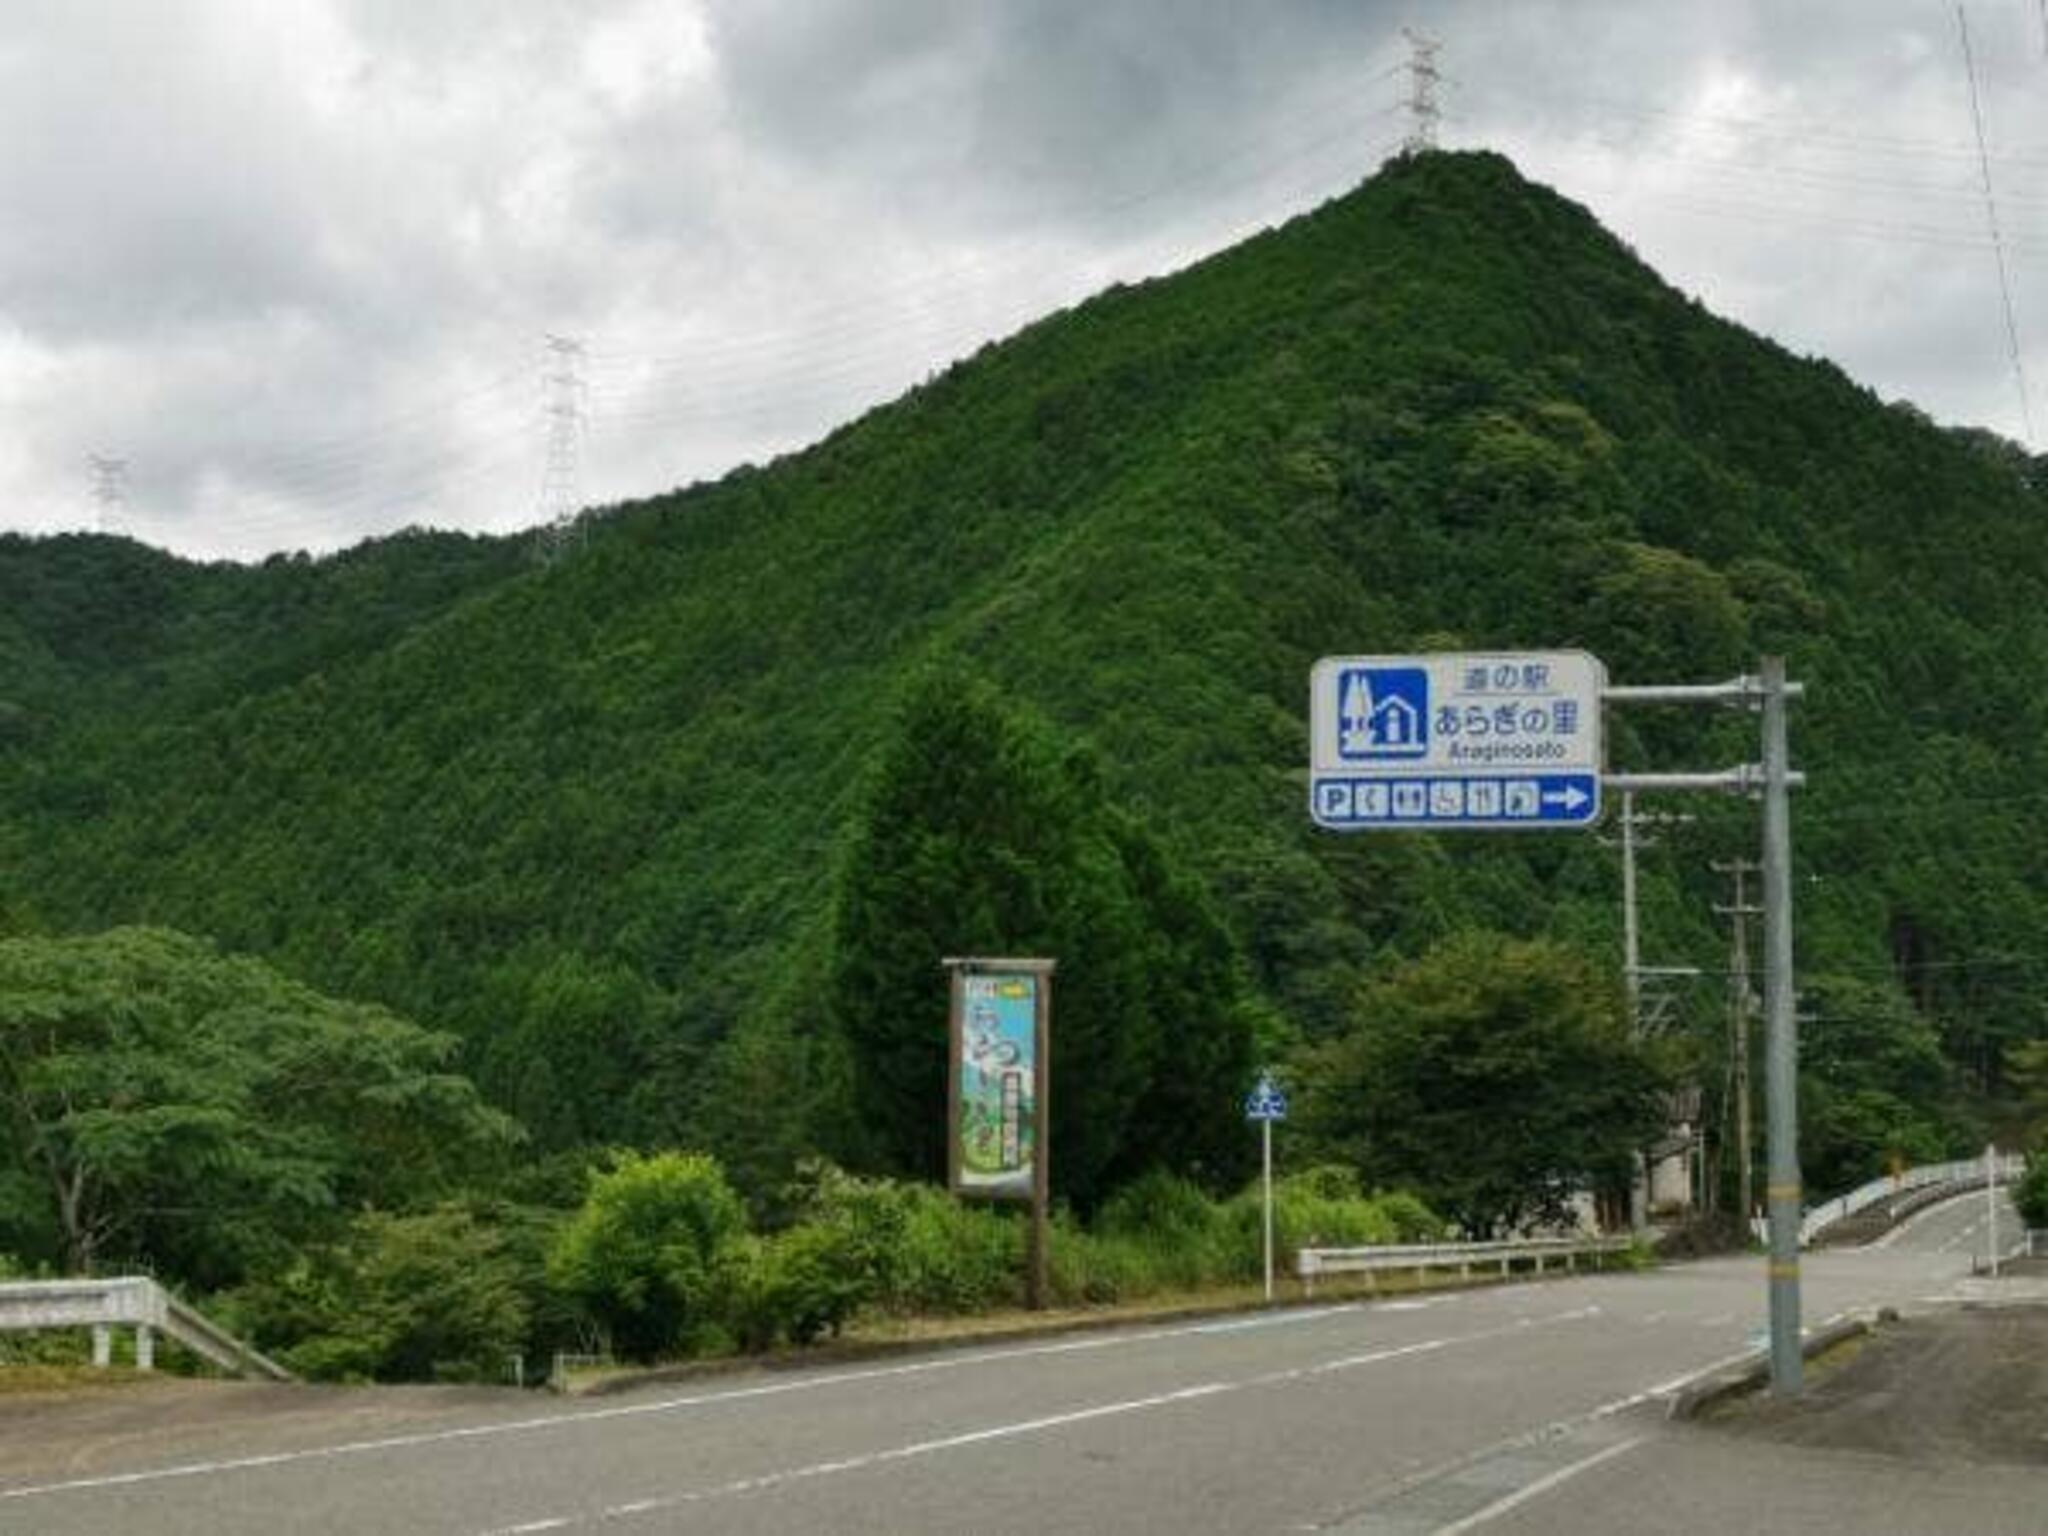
294	260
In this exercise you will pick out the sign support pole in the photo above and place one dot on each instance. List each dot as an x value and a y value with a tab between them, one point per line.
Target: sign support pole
1387	751
1038	1245
1991	1201
1266	1146
1773	777
964	974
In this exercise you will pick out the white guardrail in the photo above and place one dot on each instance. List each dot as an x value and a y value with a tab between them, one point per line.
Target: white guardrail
1536	1253
1969	1170
128	1301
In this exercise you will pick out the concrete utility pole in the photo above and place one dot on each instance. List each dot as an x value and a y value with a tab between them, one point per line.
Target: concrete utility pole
1781	1045
1642	1017
1739	911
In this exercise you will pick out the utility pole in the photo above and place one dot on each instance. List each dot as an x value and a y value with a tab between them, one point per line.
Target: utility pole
563	394
1642	1019
1739	911
1423	75
1781	1039
1775	778
109	492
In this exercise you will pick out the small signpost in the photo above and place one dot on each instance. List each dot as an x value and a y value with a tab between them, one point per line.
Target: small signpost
1456	741
1265	1104
999	1055
1991	1200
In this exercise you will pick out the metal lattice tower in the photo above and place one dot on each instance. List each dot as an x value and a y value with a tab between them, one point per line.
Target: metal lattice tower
109	492
563	396
1423	75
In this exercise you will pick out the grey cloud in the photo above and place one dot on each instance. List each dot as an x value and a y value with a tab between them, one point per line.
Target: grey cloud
278	255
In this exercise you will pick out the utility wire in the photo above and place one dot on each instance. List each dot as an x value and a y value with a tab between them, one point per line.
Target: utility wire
2012	332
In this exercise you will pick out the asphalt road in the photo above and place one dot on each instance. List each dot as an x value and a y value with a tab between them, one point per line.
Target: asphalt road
1962	1226
1534	1407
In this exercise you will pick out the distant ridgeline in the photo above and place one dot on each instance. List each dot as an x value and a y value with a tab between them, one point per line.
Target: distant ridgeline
597	818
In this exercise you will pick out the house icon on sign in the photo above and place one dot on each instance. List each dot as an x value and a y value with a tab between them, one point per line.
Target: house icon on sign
1382	712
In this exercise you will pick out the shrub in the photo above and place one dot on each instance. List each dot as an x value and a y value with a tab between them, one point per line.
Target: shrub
918	1248
438	1295
800	1284
653	1254
2030	1194
1160	1233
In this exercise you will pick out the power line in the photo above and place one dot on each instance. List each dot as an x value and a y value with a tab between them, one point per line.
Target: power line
1823	137
2012	332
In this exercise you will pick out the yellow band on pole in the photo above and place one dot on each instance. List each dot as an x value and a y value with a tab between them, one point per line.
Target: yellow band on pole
1782	1192
1784	1271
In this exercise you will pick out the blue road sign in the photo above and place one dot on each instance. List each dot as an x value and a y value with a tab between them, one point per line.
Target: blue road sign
1265	1101
1456	741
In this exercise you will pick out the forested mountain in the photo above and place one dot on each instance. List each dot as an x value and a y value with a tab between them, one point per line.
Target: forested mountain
595	817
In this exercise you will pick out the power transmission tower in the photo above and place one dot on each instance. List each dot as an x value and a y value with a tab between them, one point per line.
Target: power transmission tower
109	492
1741	1003
1423	76
563	394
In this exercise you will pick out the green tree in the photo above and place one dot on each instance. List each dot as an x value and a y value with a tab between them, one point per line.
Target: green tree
430	1295
1874	1088
198	1112
2031	1193
1493	1077
981	836
655	1254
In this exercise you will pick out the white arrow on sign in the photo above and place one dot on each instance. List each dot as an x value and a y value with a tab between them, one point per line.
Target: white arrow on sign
1571	797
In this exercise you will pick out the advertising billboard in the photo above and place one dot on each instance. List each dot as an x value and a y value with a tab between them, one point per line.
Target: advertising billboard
997	1085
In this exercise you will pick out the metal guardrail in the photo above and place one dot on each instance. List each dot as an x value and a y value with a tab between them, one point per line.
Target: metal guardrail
2010	1167
1536	1253
129	1301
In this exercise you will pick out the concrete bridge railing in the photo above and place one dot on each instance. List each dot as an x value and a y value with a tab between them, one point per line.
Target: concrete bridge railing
134	1301
1820	1217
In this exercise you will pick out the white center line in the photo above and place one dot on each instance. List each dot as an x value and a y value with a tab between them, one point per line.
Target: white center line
872	1459
809	1383
768	1480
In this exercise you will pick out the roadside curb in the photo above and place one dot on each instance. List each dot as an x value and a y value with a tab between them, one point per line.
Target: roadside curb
1752	1373
855	1351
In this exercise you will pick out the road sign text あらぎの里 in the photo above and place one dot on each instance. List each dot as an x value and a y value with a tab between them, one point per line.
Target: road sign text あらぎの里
1478	740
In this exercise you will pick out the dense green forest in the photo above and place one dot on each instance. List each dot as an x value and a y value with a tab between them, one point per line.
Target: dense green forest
655	832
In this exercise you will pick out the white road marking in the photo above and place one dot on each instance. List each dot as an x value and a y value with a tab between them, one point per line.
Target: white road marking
872	1459
1542	1485
574	1418
578	1417
769	1480
1282	1319
1010	1430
